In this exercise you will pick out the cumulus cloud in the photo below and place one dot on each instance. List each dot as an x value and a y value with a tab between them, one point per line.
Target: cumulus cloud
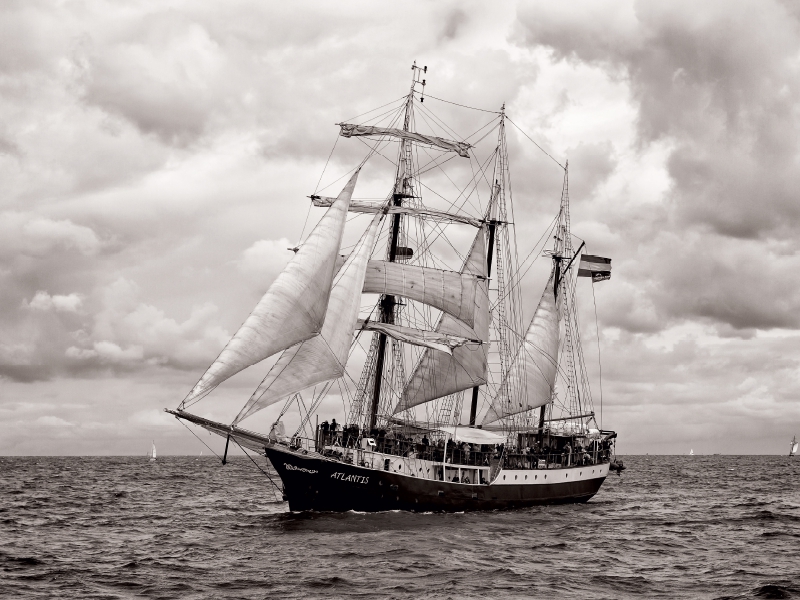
266	257
44	301
37	236
156	163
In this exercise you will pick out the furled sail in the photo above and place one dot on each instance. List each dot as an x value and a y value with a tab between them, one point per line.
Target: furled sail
532	374
451	292
415	211
429	339
438	374
322	357
293	309
462	148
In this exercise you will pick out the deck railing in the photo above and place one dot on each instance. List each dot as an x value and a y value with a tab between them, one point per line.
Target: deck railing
340	445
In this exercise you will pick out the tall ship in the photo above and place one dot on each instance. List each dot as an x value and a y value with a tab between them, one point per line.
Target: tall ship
452	398
793	446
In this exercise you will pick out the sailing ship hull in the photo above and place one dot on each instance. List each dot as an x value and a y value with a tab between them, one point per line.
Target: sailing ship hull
312	482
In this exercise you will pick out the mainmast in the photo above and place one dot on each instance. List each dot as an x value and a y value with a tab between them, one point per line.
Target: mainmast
402	189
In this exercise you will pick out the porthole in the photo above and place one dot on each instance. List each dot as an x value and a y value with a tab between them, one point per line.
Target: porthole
581	473
545	476
515	477
566	474
526	476
504	477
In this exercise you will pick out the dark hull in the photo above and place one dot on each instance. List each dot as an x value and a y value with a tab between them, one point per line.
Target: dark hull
315	483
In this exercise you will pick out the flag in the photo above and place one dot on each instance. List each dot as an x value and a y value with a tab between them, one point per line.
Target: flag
596	267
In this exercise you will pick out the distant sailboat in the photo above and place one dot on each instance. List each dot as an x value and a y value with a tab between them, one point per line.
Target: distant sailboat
152	453
691	452
795	444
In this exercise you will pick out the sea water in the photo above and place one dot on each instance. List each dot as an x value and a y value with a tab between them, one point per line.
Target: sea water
181	527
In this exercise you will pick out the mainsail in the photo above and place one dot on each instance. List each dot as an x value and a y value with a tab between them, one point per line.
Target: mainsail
450	292
294	307
532	374
324	356
438	374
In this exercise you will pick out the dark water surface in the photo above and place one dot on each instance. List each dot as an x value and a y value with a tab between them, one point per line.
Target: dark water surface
670	527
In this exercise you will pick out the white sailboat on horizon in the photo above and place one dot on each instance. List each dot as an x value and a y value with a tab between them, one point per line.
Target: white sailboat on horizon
691	452
793	448
152	453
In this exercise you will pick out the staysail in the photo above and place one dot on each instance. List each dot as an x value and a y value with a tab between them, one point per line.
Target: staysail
461	148
449	291
438	374
322	357
293	309
532	374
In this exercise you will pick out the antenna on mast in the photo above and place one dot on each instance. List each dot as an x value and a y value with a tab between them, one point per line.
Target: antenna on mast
419	72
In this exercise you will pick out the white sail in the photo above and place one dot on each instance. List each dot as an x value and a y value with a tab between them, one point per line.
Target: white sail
438	374
293	309
324	356
153	451
532	374
448	291
429	339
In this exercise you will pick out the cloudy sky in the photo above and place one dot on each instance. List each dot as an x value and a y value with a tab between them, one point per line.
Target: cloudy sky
155	159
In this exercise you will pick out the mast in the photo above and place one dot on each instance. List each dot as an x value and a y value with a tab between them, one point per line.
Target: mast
402	189
562	245
473	410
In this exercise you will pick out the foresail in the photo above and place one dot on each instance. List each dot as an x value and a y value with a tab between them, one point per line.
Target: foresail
428	339
322	357
438	374
293	308
532	374
461	148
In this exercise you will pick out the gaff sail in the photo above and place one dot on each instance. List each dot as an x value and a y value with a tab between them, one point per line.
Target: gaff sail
293	308
461	148
438	374
322	357
531	376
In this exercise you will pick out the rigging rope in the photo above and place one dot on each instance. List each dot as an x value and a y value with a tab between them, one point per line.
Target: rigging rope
599	363
257	465
198	437
497	112
534	143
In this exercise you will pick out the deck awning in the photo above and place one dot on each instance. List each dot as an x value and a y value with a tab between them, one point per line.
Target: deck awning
472	435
